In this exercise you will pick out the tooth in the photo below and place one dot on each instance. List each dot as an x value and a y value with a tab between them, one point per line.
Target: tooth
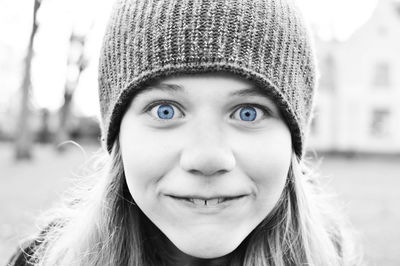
199	201
212	202
220	200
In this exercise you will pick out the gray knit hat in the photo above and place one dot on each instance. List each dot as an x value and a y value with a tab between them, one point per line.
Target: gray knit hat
264	41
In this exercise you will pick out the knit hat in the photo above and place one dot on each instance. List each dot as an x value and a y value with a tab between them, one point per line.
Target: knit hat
264	41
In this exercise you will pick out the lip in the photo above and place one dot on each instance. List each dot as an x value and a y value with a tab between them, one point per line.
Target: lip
206	209
207	197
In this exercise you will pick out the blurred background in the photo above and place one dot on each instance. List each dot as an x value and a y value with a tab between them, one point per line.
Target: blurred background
48	98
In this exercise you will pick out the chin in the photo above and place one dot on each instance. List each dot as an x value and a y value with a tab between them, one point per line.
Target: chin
206	252
207	247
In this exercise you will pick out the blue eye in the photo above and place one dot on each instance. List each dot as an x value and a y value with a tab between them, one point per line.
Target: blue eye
248	114
251	112
168	111
165	111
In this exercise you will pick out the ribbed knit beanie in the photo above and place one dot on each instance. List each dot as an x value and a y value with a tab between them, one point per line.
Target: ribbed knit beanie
264	41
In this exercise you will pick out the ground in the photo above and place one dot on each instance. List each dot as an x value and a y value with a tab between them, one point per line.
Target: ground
367	187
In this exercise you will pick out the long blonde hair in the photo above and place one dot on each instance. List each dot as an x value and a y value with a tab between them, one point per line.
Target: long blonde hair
101	225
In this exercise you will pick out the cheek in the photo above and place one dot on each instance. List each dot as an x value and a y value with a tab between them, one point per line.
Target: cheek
266	161
147	158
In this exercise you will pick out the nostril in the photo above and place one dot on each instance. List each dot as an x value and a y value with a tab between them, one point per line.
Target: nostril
197	172
222	171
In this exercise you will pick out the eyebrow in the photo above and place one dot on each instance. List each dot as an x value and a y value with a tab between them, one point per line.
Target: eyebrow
163	87
172	88
252	91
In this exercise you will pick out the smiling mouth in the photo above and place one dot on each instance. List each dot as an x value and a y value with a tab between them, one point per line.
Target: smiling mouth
207	202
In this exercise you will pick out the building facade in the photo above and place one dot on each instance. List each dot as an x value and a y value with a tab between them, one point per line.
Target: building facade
358	102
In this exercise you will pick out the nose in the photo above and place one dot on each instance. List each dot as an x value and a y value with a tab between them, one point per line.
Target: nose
206	151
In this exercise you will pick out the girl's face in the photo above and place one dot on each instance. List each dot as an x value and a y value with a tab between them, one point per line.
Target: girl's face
206	158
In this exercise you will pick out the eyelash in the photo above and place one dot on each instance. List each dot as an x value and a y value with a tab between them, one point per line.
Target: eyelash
265	110
156	103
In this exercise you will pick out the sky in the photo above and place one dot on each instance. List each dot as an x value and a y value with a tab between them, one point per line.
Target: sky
339	18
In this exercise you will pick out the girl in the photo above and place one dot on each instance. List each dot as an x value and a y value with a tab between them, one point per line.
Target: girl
205	109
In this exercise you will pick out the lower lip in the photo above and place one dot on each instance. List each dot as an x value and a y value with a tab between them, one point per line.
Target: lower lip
228	204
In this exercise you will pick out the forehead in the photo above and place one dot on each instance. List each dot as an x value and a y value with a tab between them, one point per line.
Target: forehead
219	84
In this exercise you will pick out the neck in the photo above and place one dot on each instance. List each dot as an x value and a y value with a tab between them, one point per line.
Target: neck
178	258
192	261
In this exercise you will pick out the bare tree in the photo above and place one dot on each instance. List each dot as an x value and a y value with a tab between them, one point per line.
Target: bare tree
77	62
23	142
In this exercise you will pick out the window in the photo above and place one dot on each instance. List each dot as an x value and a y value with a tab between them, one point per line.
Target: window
380	123
381	75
